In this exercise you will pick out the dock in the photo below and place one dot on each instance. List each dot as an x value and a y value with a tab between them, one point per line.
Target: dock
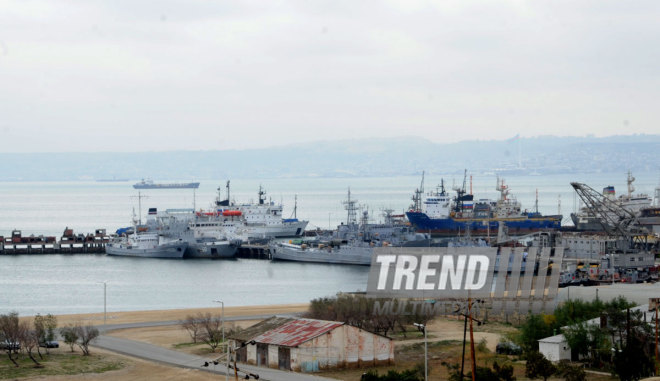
253	251
69	243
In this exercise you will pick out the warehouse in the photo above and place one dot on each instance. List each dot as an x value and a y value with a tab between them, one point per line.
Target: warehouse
309	345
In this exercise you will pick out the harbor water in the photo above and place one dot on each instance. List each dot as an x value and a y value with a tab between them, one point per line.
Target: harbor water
73	283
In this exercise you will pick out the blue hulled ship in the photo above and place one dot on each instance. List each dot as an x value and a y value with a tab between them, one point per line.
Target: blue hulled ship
440	214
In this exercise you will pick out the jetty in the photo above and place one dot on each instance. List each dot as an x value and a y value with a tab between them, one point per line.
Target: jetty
68	243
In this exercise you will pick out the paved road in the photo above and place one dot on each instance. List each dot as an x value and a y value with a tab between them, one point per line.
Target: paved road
169	357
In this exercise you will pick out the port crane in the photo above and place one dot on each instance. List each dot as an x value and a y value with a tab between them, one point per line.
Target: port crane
616	220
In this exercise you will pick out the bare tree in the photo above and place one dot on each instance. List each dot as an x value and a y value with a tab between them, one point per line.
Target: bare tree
211	330
86	334
30	340
193	326
70	335
10	333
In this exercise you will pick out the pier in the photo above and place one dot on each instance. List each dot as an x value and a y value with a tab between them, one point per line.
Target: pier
69	243
253	251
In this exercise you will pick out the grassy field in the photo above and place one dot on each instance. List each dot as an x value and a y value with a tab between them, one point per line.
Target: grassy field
59	362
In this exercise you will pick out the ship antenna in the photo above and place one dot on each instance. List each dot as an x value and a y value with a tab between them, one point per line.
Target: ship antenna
228	202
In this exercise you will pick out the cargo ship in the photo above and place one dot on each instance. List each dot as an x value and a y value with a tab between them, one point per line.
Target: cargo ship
442	215
149	184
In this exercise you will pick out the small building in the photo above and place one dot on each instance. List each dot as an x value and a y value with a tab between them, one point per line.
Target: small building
555	348
309	345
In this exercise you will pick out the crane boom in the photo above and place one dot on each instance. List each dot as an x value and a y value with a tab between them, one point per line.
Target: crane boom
616	220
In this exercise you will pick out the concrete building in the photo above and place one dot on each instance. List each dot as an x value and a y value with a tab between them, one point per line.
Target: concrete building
555	348
309	345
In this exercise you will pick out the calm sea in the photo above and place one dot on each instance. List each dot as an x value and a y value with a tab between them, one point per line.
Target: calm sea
71	284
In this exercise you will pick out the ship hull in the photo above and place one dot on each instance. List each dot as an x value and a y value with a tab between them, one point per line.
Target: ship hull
212	250
285	229
172	251
586	223
343	255
167	186
445	227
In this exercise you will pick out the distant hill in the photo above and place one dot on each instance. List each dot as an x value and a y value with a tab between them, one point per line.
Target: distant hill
346	158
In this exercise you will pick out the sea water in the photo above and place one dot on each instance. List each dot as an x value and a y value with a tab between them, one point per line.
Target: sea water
73	283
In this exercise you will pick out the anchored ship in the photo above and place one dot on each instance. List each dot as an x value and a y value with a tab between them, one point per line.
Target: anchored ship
208	236
264	219
440	214
149	184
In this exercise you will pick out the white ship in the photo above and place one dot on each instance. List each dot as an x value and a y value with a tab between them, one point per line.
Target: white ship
264	219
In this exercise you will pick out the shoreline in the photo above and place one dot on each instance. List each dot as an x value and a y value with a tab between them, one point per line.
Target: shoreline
140	316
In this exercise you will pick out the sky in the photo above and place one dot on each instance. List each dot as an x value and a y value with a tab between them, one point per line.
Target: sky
204	75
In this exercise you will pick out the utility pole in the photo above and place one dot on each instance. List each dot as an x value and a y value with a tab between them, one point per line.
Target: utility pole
656	338
474	361
223	338
463	355
422	327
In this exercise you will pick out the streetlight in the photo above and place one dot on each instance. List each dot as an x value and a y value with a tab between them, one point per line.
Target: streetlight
222	320
422	327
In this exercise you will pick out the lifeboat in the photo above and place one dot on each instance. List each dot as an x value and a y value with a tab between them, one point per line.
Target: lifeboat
231	213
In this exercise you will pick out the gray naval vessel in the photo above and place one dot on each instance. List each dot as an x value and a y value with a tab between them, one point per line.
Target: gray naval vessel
215	241
351	243
146	245
172	234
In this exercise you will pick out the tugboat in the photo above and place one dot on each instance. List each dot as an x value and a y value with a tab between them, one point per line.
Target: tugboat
145	244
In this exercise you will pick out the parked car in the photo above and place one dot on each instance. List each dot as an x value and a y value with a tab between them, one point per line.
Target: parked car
508	348
7	345
49	344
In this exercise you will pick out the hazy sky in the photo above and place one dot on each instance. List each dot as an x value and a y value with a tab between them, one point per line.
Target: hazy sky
163	75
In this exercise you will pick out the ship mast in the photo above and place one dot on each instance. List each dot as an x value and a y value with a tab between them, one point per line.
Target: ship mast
417	197
460	193
536	203
631	188
139	197
351	209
